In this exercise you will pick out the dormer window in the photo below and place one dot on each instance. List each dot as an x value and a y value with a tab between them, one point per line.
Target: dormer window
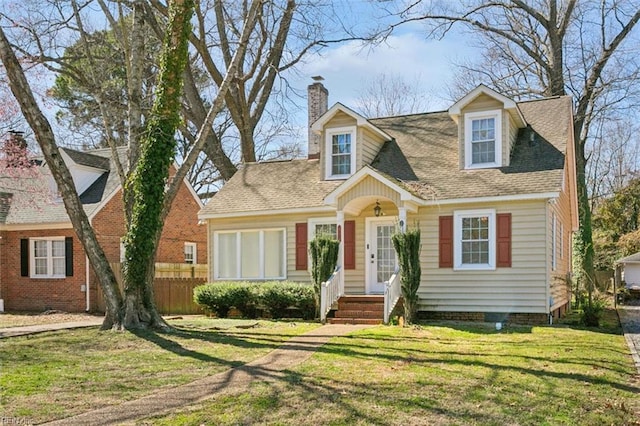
483	139
341	152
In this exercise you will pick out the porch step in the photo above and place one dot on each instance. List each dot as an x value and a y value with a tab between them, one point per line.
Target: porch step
359	310
368	321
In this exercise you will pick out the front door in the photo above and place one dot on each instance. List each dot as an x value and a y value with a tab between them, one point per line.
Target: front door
381	257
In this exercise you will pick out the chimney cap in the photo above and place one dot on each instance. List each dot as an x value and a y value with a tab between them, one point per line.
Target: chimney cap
317	78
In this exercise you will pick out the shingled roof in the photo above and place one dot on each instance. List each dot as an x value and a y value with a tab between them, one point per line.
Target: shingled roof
88	159
272	186
423	155
428	144
31	201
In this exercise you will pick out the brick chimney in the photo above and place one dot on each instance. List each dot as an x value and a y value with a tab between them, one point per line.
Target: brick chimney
318	99
15	150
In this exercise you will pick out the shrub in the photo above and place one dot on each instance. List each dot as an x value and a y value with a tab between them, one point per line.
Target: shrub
244	297
592	312
215	297
407	245
324	258
276	296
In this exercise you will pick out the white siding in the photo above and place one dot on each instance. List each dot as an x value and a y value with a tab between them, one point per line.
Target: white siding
521	288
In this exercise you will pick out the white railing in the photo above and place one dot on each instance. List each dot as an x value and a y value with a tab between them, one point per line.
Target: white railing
330	292
392	293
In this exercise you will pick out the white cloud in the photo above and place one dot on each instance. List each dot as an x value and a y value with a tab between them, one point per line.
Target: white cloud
347	68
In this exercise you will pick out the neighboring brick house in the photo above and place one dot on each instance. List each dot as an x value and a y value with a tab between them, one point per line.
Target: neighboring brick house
490	182
42	262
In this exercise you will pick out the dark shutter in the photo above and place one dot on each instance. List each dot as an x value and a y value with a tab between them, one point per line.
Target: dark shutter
24	257
503	240
301	247
68	256
445	242
349	244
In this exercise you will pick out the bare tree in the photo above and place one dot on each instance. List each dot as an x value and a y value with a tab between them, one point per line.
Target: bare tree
389	94
549	48
138	312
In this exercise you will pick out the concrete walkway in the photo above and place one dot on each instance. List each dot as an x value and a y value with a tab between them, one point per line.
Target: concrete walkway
268	368
41	328
630	321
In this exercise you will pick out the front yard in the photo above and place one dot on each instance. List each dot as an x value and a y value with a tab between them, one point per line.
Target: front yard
440	373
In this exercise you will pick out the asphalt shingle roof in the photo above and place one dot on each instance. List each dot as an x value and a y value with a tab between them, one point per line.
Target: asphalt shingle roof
272	186
429	144
424	156
88	159
32	201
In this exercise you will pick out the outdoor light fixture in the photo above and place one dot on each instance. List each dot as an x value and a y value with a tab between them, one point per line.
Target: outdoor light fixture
377	210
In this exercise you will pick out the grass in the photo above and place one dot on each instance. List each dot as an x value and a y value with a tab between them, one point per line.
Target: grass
59	374
436	374
443	374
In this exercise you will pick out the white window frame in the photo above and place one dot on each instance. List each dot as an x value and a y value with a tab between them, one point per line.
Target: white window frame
312	222
122	251
329	133
458	215
194	247
32	259
238	232
469	118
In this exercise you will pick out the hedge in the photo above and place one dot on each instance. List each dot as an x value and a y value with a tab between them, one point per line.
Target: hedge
278	298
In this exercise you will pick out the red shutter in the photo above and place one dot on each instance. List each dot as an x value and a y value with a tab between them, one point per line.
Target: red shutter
301	247
349	244
503	243
445	242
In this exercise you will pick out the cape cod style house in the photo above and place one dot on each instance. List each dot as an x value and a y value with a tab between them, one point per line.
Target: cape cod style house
42	262
490	182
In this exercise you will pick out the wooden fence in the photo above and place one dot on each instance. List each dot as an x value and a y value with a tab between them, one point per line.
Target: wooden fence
172	287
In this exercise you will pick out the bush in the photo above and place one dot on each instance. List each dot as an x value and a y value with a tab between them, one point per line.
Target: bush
276	296
215	297
244	297
592	313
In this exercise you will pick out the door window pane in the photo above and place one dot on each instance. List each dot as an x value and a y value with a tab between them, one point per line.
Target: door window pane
385	252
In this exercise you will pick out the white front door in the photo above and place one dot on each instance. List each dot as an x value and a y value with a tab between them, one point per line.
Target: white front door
381	257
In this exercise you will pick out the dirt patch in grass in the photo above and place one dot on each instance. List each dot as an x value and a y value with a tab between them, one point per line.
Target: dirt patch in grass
19	319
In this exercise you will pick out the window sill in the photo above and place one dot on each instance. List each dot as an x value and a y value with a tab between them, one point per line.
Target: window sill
338	177
482	166
47	277
471	267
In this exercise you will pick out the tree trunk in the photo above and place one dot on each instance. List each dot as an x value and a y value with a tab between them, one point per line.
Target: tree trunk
584	211
46	140
151	174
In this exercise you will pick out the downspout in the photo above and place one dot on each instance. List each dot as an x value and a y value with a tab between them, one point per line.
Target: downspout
86	280
547	234
1	299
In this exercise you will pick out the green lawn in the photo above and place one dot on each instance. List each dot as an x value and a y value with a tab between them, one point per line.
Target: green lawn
54	375
444	374
436	374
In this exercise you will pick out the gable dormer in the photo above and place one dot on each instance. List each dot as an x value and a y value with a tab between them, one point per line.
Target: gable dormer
85	168
488	125
348	142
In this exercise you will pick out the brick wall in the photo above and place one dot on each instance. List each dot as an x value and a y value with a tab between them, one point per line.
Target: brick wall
181	226
37	294
512	318
65	294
